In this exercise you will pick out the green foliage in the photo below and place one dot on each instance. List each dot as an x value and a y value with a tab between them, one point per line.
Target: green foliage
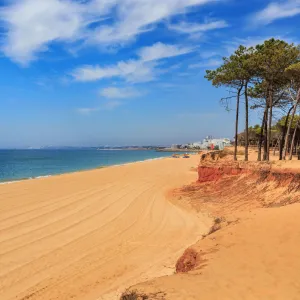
236	70
255	129
254	134
257	90
293	73
273	58
266	63
268	74
282	121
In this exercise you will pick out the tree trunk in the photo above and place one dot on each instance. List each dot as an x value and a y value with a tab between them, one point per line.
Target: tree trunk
237	122
284	133
266	134
274	149
290	144
270	122
290	125
246	123
293	140
261	136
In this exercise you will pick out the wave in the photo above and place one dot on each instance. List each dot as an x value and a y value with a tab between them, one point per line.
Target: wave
109	166
24	179
44	176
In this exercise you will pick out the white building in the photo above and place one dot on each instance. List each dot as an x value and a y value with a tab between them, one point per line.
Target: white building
206	144
219	143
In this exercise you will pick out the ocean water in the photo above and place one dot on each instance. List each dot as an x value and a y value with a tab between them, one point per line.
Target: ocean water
24	164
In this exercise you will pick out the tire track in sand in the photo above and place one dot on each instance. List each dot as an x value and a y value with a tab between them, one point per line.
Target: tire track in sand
78	247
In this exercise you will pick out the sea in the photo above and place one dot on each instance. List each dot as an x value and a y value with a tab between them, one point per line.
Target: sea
29	164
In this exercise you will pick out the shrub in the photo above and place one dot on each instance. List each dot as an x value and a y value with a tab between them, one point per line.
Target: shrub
133	295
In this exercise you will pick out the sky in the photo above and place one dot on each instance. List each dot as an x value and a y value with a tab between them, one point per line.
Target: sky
125	72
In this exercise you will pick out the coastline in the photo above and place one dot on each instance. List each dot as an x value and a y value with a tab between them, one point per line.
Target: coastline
10	181
179	150
91	234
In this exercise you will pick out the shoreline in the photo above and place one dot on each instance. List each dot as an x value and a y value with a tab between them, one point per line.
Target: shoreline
91	234
180	150
9	181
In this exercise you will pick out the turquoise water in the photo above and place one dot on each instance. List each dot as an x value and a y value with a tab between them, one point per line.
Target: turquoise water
24	164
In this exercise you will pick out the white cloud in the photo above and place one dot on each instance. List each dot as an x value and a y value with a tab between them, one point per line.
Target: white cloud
277	10
32	25
159	51
189	28
119	93
143	69
113	96
131	71
137	16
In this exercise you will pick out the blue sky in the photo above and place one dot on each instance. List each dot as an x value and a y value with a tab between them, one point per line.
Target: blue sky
120	72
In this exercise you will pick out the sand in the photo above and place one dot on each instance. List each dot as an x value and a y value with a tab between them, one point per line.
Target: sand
89	235
255	259
254	252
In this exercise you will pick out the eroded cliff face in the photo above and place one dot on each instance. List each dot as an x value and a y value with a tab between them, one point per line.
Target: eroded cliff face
212	169
215	173
246	195
289	179
229	189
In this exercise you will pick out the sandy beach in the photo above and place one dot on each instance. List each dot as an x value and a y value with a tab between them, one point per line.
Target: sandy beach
251	252
150	150
89	235
95	234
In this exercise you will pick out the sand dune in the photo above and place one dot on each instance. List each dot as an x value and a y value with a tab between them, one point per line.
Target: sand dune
89	235
252	251
256	259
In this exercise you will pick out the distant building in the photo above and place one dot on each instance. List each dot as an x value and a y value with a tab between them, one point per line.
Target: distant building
196	145
210	143
185	146
175	146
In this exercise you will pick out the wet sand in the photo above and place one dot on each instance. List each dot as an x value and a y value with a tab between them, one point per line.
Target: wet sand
91	234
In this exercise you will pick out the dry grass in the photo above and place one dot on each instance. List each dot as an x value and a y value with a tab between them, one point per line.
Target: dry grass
230	151
133	295
223	154
217	225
